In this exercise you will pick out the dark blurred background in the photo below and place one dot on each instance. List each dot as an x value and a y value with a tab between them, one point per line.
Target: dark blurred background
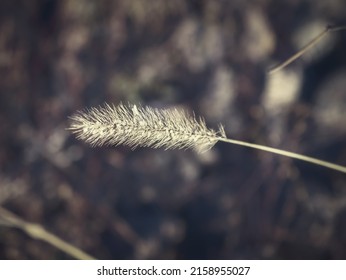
211	57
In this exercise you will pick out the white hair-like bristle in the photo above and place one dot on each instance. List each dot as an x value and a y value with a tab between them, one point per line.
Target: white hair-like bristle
138	126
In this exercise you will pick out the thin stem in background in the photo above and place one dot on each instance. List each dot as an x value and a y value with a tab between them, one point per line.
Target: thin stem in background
312	43
38	232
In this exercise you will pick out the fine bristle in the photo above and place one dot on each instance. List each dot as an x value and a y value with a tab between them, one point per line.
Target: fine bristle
135	126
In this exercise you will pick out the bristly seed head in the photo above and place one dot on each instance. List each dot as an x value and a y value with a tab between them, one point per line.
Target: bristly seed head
145	127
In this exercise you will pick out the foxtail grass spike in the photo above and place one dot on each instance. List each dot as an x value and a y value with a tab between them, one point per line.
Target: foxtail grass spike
168	128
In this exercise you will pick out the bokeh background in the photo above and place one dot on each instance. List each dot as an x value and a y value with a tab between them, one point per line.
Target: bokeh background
210	57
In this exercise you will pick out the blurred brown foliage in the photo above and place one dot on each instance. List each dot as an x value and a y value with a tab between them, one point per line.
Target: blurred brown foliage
57	57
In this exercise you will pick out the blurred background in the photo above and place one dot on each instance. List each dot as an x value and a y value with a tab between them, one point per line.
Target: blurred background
206	56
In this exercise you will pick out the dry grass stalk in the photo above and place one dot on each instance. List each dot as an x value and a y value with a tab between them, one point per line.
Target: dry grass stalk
308	46
36	231
169	128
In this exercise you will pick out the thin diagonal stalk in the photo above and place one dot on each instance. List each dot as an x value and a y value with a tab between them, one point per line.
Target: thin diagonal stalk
287	154
305	48
38	232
